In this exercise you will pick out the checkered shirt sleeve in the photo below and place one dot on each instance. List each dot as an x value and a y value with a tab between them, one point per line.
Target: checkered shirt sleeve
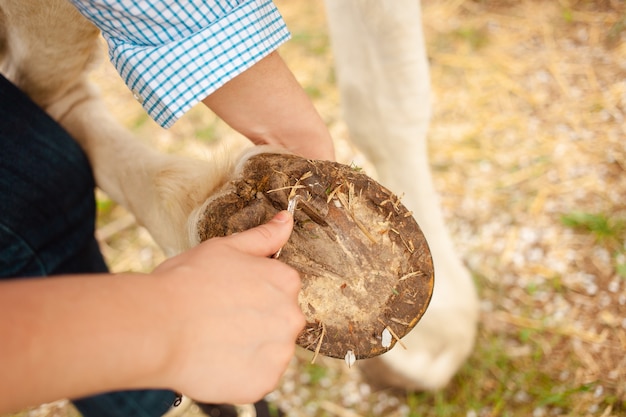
174	53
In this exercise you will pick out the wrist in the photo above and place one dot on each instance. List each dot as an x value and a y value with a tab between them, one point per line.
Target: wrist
267	105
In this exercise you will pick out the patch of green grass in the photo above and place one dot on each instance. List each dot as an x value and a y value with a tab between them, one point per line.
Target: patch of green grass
553	284
560	396
316	373
141	120
609	231
509	374
314	43
104	208
532	288
206	133
568	15
614	34
273	410
313	91
556	283
617	404
526	335
600	225
477	38
104	205
474	37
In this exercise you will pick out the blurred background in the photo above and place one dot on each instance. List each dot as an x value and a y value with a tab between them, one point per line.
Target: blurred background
528	151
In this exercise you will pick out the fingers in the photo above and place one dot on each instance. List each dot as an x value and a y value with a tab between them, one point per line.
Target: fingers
266	239
253	333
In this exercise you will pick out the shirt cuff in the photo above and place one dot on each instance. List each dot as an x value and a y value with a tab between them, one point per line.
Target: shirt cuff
170	78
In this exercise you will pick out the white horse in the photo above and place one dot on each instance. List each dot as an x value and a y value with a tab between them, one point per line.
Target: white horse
383	77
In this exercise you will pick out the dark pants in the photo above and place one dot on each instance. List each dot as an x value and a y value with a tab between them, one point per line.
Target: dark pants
47	221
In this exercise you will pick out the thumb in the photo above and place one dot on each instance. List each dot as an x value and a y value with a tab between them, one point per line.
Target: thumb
266	239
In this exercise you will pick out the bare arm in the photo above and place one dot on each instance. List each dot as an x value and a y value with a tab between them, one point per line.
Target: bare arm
268	106
202	323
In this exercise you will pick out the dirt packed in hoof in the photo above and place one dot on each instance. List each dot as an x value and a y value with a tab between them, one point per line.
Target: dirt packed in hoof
366	267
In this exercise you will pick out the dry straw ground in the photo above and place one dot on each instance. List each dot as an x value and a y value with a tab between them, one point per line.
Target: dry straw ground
528	148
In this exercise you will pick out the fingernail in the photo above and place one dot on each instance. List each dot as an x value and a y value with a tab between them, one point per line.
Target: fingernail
282	217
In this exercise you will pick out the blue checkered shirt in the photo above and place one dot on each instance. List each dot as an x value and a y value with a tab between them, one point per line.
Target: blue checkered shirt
174	53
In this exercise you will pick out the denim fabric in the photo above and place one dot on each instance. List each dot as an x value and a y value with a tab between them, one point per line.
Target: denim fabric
144	403
47	221
47	208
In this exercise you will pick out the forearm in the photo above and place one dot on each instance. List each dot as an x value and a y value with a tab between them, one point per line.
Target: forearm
217	323
78	335
268	106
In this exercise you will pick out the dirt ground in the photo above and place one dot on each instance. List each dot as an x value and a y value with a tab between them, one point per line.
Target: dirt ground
528	150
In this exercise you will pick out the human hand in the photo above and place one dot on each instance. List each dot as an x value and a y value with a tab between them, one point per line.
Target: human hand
235	315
